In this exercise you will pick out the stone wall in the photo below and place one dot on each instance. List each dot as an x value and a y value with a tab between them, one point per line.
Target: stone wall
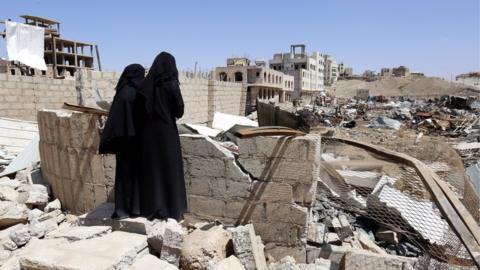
271	182
80	178
22	96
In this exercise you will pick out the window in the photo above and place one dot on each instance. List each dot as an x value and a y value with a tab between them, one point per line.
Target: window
258	74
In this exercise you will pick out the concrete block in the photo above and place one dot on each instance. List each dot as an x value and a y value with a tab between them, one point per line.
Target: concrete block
80	233
112	251
248	248
151	262
359	260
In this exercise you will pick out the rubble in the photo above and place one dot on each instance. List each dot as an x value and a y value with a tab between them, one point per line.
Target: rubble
248	247
229	263
205	245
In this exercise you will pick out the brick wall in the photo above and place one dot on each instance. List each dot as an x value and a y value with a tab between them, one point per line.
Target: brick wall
80	178
271	184
22	96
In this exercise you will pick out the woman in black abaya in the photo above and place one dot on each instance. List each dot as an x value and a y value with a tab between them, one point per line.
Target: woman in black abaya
162	184
119	138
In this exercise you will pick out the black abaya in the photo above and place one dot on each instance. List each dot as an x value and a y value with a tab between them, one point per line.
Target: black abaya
119	138
162	184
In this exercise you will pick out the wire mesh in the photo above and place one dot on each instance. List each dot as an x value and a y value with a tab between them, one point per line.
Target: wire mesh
389	194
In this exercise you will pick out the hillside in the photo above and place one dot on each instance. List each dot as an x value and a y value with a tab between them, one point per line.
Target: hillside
403	86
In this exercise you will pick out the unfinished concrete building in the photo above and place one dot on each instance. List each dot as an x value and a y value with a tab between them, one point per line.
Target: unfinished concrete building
62	56
262	83
307	70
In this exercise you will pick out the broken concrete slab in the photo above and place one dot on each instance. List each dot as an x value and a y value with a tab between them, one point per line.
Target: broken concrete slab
172	242
229	263
80	233
367	243
101	216
21	236
151	262
388	236
316	233
111	251
358	260
12	183
248	248
37	194
342	227
8	194
286	263
12	213
202	246
53	205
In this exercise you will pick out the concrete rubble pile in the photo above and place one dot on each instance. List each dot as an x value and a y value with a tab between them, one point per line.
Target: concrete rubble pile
266	202
5	158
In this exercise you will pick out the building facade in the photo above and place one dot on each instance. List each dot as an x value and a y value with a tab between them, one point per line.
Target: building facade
331	70
262	82
307	70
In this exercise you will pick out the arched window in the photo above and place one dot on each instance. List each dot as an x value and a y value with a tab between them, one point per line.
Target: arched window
238	76
223	76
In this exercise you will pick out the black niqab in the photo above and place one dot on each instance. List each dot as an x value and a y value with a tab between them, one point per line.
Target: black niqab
162	184
119	137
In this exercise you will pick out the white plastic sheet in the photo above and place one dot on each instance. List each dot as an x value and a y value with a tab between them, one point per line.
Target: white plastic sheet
25	43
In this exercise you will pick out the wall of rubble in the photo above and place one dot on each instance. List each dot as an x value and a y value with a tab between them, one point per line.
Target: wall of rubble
22	96
270	182
79	177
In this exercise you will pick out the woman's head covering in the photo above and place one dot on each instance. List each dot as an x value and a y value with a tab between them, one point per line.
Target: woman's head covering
132	75
162	72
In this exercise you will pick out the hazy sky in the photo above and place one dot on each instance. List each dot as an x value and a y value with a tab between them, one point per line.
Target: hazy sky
437	37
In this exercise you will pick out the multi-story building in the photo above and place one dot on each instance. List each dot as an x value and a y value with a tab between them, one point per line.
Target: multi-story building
307	70
261	82
400	71
385	72
331	70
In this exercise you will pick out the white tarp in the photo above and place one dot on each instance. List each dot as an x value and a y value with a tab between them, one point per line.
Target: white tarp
224	121
25	43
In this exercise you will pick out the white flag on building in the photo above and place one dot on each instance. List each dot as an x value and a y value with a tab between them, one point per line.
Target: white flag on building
25	43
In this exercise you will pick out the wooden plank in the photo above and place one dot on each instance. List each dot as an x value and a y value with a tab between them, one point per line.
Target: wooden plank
84	109
454	216
268	131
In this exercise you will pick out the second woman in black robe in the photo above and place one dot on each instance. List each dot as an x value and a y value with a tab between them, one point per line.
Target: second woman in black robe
119	137
162	184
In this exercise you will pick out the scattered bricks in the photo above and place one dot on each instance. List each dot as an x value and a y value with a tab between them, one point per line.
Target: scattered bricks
248	248
287	263
388	236
342	227
332	238
278	252
359	260
155	235
367	243
172	242
316	233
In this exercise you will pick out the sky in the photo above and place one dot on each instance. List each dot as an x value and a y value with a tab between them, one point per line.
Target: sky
437	37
